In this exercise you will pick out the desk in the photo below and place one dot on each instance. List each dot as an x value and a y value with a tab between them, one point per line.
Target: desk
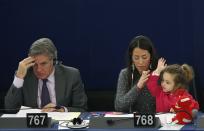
193	126
87	115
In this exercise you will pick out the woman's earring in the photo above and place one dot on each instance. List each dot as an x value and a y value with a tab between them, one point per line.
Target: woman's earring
150	66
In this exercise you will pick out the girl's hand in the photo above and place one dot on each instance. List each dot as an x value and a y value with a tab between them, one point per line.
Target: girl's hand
172	110
160	66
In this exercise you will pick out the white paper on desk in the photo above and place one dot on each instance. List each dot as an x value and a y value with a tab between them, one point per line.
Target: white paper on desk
63	116
54	115
118	115
8	115
22	112
166	120
171	127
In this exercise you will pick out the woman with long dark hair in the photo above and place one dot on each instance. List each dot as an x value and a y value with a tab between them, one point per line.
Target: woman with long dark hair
132	93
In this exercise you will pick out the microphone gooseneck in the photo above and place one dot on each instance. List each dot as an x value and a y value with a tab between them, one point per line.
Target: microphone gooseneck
132	83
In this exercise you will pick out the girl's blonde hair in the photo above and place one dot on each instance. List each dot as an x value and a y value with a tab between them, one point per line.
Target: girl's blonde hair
183	74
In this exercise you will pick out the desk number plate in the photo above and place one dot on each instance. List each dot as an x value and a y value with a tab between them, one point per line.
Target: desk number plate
37	120
144	120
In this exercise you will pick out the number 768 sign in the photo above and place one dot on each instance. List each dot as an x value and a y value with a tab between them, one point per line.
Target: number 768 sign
144	120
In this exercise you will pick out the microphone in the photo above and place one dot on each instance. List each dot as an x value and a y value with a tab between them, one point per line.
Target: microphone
132	82
132	75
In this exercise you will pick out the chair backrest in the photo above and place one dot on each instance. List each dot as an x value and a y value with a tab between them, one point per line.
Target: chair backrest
192	89
100	100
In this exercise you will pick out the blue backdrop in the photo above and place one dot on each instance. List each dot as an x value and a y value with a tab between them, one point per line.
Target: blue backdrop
93	35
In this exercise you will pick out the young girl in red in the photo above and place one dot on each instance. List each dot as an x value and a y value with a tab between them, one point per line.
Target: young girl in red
168	84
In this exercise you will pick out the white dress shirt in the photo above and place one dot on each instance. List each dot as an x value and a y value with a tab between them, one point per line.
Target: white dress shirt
18	82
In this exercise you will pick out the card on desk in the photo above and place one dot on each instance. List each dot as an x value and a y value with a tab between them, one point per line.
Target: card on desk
54	115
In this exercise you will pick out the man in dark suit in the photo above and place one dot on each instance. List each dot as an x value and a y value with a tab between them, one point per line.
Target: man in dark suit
42	82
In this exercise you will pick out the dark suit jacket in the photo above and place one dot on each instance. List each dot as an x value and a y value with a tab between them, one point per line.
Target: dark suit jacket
69	90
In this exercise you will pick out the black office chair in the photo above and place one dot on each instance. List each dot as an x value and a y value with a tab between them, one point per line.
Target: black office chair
101	100
192	89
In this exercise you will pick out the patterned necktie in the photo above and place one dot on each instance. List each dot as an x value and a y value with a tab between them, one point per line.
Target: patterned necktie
45	97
